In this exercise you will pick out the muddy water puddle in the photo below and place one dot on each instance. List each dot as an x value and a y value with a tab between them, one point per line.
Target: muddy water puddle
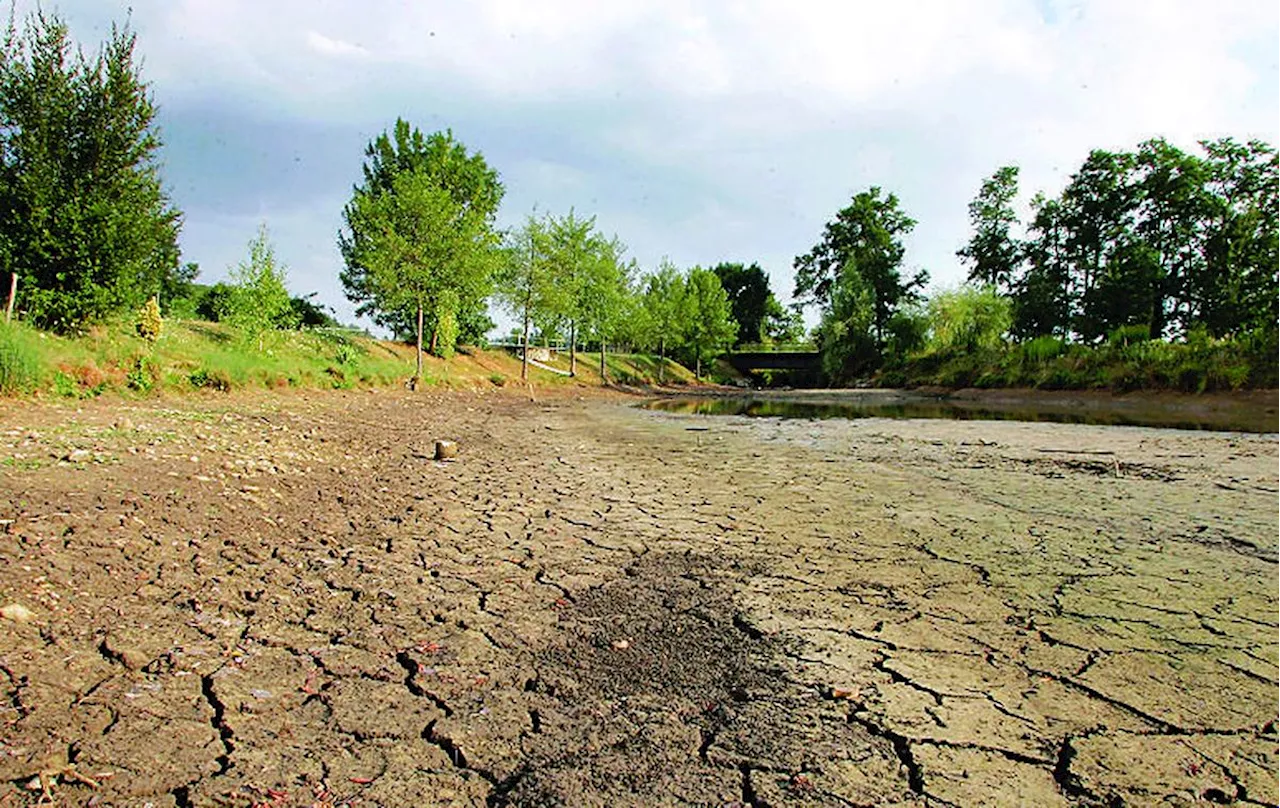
898	406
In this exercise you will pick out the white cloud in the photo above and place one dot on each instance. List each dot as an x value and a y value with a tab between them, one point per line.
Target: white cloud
333	47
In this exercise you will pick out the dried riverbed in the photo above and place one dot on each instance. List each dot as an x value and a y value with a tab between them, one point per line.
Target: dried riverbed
286	601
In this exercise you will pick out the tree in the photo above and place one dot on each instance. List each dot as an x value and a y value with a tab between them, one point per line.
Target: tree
603	290
749	295
422	252
845	338
992	253
474	191
83	216
1042	302
307	313
527	284
663	300
1098	211
710	326
259	300
1236	289
575	252
782	324
866	237
1173	204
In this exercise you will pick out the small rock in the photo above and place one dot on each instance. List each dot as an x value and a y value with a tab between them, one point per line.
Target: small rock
124	425
446	450
17	613
621	645
132	658
78	456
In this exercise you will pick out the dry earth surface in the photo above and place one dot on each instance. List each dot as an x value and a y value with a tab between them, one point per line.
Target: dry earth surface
286	601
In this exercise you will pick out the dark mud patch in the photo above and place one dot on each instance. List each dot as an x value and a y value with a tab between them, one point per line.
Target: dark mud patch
663	692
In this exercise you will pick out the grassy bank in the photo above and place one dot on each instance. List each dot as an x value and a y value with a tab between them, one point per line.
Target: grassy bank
1196	366
195	355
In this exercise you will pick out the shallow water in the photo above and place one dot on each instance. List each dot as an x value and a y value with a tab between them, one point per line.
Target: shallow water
1149	414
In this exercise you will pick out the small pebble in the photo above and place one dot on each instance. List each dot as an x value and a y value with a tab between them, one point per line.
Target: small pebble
17	613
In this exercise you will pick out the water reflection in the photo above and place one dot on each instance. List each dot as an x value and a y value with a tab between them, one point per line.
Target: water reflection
1150	415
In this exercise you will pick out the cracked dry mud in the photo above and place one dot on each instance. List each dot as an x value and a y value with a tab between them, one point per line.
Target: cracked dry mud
285	601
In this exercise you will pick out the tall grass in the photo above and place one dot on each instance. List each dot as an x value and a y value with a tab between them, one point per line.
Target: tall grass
20	362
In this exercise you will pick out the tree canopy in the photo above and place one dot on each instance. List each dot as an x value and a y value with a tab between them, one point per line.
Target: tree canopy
84	220
992	252
418	239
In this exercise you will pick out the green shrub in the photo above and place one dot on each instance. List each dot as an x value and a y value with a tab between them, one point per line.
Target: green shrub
213	379
143	375
65	386
19	360
1043	349
1130	335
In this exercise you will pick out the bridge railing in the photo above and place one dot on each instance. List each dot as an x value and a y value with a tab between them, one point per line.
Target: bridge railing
776	347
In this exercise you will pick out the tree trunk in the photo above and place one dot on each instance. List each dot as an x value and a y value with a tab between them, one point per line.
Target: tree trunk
524	357
435	335
417	374
573	348
697	365
662	360
604	374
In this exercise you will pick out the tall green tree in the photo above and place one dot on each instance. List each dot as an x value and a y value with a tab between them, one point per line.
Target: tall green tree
83	217
1236	289
663	299
1098	210
573	248
749	295
866	238
710	327
604	294
473	191
422	252
845	336
527	285
1042	303
992	253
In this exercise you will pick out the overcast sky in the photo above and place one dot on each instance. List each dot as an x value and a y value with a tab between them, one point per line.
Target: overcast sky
706	132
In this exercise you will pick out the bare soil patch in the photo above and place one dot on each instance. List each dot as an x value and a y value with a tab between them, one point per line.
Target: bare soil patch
262	600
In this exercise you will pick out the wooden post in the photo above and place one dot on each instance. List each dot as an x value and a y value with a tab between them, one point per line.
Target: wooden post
13	293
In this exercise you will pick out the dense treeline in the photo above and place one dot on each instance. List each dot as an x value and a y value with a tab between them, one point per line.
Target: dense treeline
1156	238
1156	244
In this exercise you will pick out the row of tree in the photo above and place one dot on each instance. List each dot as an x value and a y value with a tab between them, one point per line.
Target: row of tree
1158	241
1156	237
422	253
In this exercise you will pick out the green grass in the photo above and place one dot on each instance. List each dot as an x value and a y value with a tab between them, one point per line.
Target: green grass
192	356
20	359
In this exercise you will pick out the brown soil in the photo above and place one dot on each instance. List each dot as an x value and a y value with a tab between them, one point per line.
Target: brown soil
286	601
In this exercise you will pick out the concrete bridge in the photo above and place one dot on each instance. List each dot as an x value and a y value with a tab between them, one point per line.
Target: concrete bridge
748	361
